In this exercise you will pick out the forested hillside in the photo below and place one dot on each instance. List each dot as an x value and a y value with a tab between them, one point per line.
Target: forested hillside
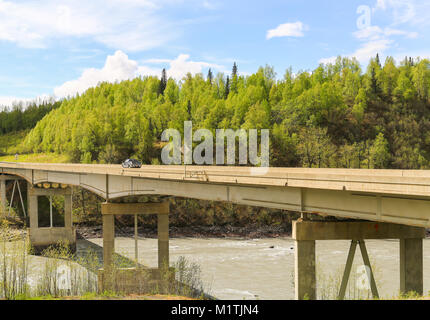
16	122
335	116
19	118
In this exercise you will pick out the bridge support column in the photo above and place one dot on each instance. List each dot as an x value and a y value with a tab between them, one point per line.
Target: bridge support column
411	265
163	240
43	237
132	280
32	205
305	276
108	240
3	201
305	233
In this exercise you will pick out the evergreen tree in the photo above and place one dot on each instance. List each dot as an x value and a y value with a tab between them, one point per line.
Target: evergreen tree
333	116
189	109
234	78
163	82
234	70
210	76
227	88
373	73
378	62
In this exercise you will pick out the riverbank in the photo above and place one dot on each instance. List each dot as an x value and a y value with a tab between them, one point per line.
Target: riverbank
93	296
260	268
198	232
246	232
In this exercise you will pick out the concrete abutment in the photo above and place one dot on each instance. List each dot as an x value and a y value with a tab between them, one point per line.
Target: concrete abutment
43	237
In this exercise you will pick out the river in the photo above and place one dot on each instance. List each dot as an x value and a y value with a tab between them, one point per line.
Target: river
264	268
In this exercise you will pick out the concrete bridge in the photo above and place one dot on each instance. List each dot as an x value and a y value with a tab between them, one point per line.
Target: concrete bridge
397	202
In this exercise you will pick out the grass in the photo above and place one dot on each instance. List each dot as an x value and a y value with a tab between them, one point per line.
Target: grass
19	282
9	143
37	158
328	282
108	296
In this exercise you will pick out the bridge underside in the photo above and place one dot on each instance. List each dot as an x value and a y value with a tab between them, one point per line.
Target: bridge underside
383	207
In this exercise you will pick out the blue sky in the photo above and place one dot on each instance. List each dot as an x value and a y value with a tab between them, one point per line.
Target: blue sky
60	47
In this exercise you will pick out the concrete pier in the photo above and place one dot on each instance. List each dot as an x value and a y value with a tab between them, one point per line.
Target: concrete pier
3	200
163	240
305	273
411	265
131	279
43	237
305	233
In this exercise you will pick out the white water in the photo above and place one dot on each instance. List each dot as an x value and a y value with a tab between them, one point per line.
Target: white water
264	268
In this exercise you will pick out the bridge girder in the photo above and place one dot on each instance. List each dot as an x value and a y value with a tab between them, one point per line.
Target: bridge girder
374	206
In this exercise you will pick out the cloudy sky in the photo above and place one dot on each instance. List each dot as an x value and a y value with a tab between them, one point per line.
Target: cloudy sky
61	47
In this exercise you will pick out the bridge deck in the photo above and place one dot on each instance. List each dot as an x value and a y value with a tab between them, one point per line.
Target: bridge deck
405	182
397	196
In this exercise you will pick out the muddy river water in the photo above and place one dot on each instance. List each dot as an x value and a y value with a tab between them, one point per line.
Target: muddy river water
264	268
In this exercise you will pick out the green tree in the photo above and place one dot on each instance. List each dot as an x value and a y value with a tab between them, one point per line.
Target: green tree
163	82
227	88
379	152
315	147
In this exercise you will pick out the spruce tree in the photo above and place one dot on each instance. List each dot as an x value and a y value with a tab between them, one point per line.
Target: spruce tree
189	109
234	71
227	88
163	82
234	78
378	62
210	76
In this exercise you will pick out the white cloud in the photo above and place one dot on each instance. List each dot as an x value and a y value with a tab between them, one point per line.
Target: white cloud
372	32
8	101
423	54
119	67
413	12
365	52
370	49
375	33
396	32
328	60
180	66
130	25
375	39
402	10
287	30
